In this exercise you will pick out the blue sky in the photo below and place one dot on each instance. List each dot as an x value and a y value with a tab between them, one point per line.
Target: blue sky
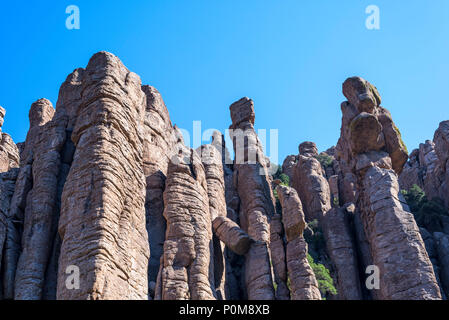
289	56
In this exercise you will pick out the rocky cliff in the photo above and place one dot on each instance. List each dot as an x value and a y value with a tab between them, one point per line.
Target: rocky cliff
104	201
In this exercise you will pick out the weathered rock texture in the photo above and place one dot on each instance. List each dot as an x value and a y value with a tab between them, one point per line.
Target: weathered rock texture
342	253
303	283
102	223
211	157
310	182
159	145
9	163
427	166
371	146
288	166
104	188
278	259
36	195
185	268
256	196
230	233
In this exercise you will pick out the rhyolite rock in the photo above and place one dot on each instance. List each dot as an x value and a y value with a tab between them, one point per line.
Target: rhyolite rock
442	246
102	222
32	216
256	199
303	283
310	182
288	166
105	185
9	170
278	258
212	159
159	145
232	235
342	252
185	271
395	244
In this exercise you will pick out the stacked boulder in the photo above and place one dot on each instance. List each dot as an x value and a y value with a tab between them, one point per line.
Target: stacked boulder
303	283
371	148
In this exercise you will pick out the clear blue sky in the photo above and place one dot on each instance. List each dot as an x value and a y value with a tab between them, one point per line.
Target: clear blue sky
289	56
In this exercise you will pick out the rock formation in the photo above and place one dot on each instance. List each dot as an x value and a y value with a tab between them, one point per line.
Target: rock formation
36	194
257	201
342	253
288	166
211	157
102	223
185	271
310	182
9	163
303	283
427	166
159	145
104	201
371	145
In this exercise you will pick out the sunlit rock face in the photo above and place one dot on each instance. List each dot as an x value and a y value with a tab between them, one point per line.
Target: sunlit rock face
371	147
104	201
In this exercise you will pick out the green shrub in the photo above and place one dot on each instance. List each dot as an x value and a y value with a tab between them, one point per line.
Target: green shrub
325	160
285	180
316	242
323	277
414	197
428	213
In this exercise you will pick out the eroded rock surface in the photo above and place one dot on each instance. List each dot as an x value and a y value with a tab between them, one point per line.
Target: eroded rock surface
102	223
256	196
185	271
303	283
371	146
9	163
310	182
159	145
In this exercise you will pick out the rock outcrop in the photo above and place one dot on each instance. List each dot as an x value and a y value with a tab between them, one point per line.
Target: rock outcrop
371	145
303	283
102	222
9	170
185	271
256	196
104	201
310	182
342	252
211	157
159	145
288	166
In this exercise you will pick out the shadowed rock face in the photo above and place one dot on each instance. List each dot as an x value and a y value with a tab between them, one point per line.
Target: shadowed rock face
396	246
185	266
441	140
102	223
257	201
277	248
302	279
342	253
9	163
